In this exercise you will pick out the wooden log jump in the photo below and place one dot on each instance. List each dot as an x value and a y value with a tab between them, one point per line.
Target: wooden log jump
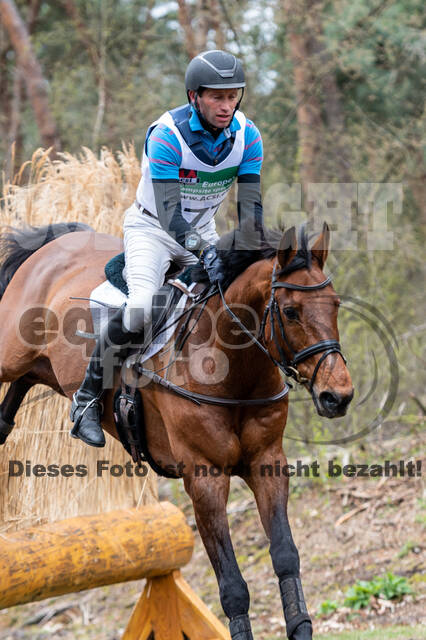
85	552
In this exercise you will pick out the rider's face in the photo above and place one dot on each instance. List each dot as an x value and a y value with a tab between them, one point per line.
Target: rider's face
217	105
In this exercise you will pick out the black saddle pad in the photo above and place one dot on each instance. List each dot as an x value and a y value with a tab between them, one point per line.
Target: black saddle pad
114	273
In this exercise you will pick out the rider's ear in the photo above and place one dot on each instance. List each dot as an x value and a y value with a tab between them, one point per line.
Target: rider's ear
288	247
320	248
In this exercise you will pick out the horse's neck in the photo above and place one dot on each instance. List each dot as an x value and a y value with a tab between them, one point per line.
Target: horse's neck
249	368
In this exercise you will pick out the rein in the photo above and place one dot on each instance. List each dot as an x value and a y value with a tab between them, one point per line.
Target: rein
288	367
199	398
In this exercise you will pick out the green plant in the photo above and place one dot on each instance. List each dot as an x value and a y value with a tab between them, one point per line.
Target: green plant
327	607
421	519
358	595
388	587
406	548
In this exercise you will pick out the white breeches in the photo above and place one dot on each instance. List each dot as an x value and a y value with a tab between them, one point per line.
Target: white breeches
149	251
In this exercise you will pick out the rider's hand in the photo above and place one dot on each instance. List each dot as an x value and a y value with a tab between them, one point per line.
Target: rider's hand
212	263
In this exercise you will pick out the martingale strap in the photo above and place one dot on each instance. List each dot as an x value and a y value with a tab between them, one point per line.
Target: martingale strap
200	398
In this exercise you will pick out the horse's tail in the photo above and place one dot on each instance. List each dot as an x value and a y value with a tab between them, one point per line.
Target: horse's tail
16	245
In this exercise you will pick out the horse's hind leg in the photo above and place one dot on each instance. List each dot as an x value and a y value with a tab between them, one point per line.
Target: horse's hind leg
40	373
11	403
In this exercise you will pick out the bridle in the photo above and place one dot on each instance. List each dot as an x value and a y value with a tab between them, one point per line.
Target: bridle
289	367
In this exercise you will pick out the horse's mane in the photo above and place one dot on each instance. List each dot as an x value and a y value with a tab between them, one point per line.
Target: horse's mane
238	250
17	245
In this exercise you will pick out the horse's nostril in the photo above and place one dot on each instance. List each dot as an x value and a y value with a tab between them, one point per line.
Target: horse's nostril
334	402
329	400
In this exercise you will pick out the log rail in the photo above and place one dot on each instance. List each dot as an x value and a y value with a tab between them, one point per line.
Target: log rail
86	552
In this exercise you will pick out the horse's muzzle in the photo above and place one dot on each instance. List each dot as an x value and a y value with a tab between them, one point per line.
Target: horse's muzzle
332	404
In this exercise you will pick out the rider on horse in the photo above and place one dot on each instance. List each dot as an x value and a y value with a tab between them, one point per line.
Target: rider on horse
192	156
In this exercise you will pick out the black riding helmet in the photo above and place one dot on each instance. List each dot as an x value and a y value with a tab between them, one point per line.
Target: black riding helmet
214	70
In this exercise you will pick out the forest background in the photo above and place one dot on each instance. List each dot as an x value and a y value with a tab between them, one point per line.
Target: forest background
337	91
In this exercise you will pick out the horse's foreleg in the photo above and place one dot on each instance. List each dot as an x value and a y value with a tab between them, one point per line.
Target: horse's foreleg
209	496
11	403
271	495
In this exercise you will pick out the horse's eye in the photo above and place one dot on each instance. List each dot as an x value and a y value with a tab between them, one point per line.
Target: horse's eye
290	313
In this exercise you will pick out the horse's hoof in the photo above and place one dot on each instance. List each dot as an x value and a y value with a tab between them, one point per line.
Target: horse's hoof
302	632
5	429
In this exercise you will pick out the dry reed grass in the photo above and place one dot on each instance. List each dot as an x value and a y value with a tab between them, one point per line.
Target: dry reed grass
95	190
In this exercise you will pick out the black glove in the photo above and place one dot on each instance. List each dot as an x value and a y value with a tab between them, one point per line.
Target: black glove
212	263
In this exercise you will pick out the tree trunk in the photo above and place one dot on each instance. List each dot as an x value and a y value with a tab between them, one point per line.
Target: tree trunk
101	82
33	11
324	155
15	139
35	83
309	120
140	50
203	24
6	99
83	32
337	165
15	136
185	23
217	20
230	24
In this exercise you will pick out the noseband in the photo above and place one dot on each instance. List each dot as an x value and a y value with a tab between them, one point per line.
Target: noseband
324	346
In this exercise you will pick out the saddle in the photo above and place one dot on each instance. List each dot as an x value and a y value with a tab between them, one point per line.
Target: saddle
128	405
114	273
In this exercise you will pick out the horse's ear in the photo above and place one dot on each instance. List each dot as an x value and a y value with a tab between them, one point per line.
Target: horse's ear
320	248
288	247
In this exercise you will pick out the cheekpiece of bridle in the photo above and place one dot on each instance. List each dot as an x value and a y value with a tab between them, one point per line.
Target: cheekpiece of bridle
289	366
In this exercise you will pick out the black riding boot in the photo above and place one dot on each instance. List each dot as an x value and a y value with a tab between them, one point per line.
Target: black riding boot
87	408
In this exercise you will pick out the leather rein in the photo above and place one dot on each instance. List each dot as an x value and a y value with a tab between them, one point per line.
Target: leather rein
200	398
289	367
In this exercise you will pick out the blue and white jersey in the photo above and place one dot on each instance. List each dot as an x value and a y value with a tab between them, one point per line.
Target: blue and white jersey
177	147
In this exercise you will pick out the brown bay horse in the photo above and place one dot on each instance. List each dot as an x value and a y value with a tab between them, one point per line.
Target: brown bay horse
284	298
